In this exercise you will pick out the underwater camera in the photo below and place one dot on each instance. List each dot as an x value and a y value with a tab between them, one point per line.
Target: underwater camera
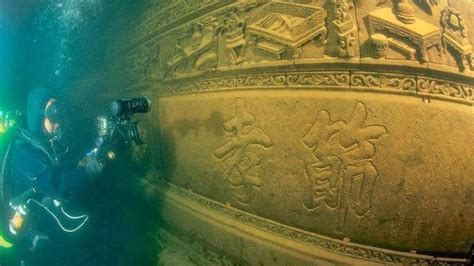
130	106
118	130
122	110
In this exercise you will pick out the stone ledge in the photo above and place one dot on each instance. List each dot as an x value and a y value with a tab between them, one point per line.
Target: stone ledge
256	239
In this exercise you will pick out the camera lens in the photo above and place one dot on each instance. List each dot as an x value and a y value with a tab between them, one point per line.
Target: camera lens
130	106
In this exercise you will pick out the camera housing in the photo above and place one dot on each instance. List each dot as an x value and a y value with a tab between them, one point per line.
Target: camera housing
130	106
117	130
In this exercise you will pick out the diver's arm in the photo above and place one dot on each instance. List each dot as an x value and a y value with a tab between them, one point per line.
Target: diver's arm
32	168
71	180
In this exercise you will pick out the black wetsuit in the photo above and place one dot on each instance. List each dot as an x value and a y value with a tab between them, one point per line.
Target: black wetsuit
38	180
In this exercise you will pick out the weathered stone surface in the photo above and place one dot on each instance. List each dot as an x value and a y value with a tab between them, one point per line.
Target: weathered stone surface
313	121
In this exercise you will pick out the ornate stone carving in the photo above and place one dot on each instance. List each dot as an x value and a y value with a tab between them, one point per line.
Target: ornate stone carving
324	79
361	80
368	81
432	86
211	42
405	12
404	31
279	26
380	45
427	5
343	167
240	39
195	48
145	63
211	68
346	28
247	81
455	35
164	13
243	164
235	43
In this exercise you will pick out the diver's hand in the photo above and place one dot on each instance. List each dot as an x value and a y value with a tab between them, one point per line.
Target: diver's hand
83	162
92	166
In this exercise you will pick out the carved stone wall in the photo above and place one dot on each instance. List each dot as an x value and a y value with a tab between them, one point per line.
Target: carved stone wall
338	127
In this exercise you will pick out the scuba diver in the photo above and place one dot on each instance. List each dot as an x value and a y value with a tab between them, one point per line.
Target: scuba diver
35	186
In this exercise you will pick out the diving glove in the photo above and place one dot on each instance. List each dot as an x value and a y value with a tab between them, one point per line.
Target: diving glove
93	167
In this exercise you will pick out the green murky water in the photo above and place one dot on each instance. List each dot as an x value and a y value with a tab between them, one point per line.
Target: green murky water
61	45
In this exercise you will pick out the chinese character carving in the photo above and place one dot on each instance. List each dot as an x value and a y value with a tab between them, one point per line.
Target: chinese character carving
241	154
342	176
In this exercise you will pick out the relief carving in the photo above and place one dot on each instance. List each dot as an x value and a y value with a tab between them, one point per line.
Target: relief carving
136	66
427	5
415	85
166	12
247	32
450	89
404	32
380	45
346	28
267	47
281	28
145	63
154	61
211	42
342	177
381	81
234	43
243	162
195	47
341	79
455	35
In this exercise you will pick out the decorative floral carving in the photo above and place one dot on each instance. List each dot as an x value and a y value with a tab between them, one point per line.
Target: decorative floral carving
380	82
319	79
371	80
450	89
